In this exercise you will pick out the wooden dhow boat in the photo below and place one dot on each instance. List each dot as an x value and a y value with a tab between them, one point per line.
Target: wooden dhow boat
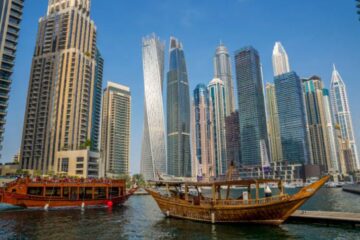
45	193
186	200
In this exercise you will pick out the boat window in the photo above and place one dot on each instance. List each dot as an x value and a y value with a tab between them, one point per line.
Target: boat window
37	191
66	192
53	191
100	193
85	193
114	191
73	193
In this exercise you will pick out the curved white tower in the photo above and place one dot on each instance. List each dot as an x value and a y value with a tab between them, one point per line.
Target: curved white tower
222	70
280	60
342	113
153	155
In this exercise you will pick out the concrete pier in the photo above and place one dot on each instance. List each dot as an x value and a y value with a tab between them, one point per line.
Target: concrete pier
328	218
353	188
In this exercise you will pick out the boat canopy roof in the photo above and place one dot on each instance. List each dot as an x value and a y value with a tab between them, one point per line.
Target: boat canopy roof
245	182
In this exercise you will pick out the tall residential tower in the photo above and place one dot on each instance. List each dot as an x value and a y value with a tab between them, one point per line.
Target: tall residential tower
280	60
202	134
217	98
153	152
10	18
178	113
115	131
342	113
59	111
222	70
273	124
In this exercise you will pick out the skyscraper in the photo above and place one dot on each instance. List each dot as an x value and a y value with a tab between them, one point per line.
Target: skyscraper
10	18
316	119
59	111
115	130
222	70
95	131
273	124
178	113
251	105
153	153
202	140
342	113
330	128
232	130
280	60
292	118
217	99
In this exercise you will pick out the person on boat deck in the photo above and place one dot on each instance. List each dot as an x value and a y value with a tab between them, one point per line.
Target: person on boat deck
268	192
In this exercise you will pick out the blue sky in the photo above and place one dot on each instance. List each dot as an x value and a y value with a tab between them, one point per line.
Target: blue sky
315	34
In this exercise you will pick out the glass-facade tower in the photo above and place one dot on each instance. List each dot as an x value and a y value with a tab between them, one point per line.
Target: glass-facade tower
95	131
178	113
252	115
292	118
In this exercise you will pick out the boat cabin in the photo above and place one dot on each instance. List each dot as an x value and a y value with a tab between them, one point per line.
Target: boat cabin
68	189
223	192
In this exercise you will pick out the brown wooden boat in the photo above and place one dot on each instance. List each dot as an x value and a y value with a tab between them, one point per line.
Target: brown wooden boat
43	193
274	210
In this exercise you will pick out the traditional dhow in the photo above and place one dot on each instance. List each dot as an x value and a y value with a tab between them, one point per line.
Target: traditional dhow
187	200
45	193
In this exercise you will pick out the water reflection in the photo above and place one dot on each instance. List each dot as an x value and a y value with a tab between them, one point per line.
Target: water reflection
140	218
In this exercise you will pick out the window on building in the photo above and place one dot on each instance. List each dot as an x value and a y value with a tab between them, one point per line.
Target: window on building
65	165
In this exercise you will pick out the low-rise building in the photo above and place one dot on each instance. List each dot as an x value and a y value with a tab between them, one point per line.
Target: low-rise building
9	169
78	163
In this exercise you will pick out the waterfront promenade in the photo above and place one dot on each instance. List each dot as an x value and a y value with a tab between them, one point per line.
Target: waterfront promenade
353	188
326	217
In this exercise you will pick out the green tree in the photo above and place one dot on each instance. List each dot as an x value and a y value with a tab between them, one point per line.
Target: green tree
139	180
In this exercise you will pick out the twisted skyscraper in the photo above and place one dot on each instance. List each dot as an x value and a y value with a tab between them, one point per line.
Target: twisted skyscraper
342	113
178	113
153	155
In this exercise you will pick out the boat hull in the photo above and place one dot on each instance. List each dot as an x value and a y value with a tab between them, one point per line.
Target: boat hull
40	202
272	211
46	194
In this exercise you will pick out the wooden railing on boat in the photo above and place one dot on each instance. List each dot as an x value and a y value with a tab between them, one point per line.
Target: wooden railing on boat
228	202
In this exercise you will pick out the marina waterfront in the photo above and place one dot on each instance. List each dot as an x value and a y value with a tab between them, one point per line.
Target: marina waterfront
140	218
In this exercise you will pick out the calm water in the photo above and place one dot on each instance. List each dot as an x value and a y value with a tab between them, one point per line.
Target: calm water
140	218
